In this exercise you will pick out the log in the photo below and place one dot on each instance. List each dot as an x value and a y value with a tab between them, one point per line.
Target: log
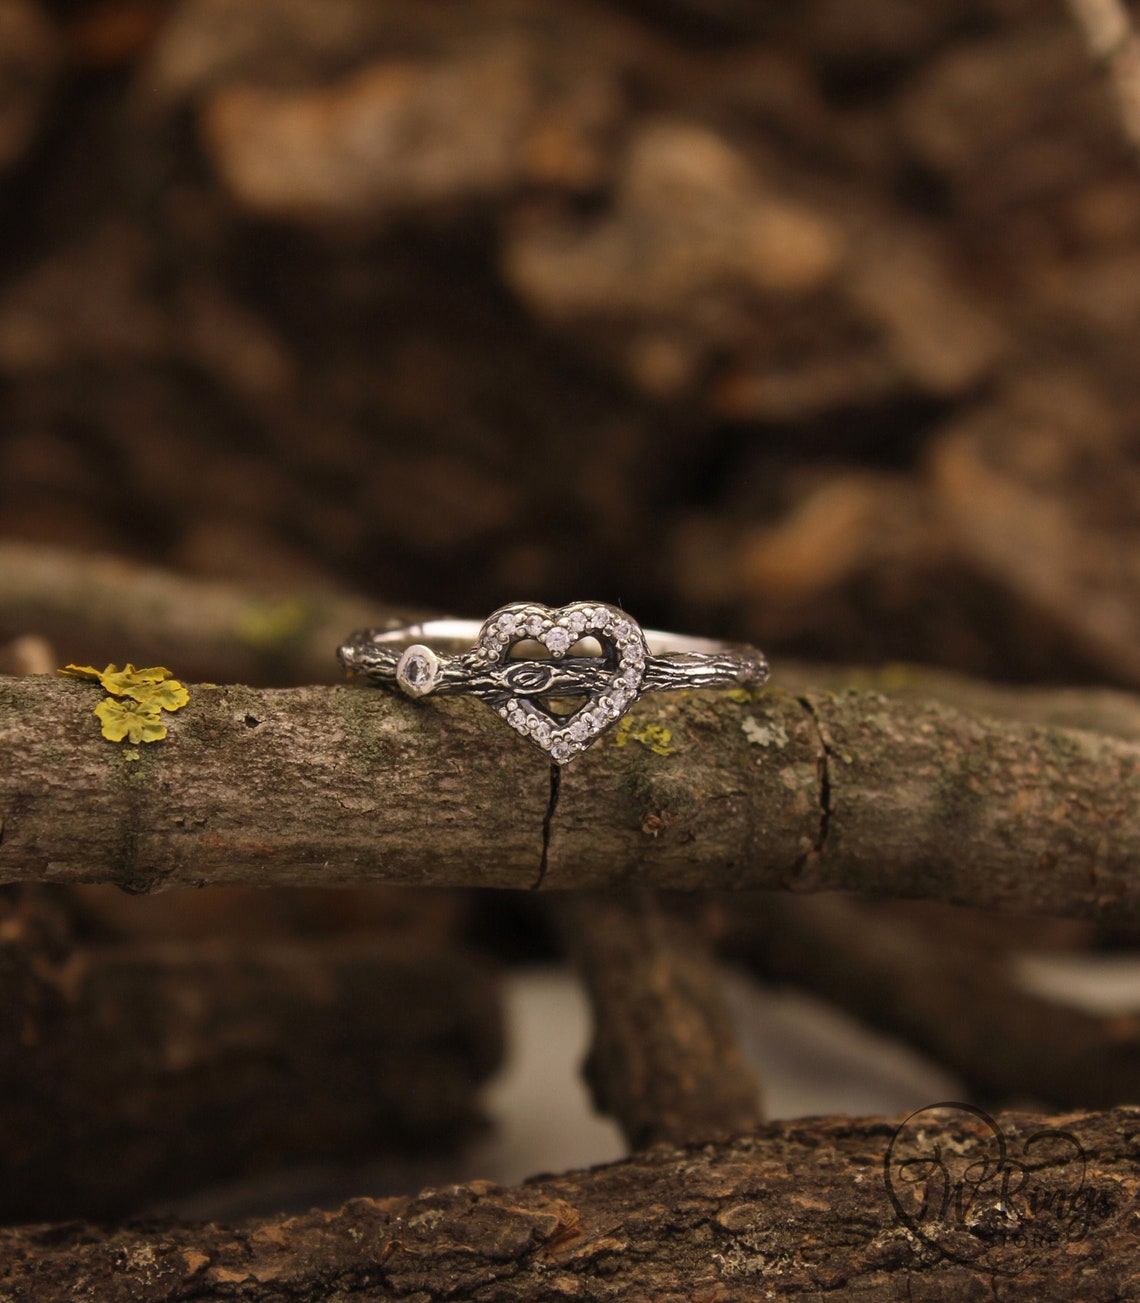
955	1000
139	1071
664	1061
798	1209
332	786
90	606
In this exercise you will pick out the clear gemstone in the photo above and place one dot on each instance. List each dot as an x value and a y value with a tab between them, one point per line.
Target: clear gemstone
539	728
575	621
561	751
622	629
533	625
516	719
506	624
558	640
620	697
579	730
417	670
631	677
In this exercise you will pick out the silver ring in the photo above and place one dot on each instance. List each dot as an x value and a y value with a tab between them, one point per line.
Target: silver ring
526	653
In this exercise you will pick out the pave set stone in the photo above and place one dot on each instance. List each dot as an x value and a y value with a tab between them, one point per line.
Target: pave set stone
559	630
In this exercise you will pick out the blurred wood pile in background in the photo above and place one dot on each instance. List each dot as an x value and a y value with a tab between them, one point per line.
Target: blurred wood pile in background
814	324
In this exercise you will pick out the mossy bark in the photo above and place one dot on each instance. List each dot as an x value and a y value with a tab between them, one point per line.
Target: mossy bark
327	786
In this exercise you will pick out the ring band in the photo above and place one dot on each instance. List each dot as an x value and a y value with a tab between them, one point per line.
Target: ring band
586	649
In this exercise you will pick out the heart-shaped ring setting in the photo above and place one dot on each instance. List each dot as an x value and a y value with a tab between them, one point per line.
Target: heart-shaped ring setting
610	682
527	658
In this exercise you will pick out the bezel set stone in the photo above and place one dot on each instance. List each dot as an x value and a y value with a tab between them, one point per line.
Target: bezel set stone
417	670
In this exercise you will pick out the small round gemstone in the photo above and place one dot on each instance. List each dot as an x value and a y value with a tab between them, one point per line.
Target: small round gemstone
622	630
578	729
558	640
539	728
561	751
631	677
417	670
506	624
533	625
575	621
516	718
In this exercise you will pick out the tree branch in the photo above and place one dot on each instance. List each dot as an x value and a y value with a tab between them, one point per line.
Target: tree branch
797	1209
664	1060
90	607
328	786
955	1000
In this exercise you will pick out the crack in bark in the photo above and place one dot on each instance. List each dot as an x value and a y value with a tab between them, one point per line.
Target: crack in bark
823	768
547	823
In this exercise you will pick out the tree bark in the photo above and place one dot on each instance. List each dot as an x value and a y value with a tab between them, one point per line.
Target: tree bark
664	1060
328	786
798	1209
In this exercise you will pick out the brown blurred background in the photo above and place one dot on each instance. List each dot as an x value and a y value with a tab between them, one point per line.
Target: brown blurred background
816	324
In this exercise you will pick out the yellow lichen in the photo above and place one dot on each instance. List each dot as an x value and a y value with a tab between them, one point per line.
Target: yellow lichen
170	695
654	737
139	721
147	691
740	695
129	682
85	671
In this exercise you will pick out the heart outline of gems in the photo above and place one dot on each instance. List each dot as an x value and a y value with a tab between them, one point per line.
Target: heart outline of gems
624	651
